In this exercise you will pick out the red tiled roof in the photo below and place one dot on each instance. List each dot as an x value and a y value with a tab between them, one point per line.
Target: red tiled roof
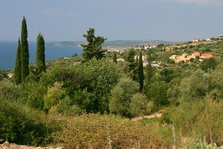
207	55
196	53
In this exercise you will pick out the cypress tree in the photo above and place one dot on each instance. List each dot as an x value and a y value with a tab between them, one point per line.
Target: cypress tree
17	69
40	54
24	51
140	72
115	57
149	68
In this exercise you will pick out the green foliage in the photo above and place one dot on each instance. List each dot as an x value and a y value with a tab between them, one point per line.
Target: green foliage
9	91
132	64
121	96
3	75
22	125
40	54
57	74
198	119
156	92
34	74
195	86
54	96
102	76
88	85
140	72
160	45
138	105
167	74
149	68
115	57
17	69
93	47
164	57
24	51
173	91
32	95
216	83
208	64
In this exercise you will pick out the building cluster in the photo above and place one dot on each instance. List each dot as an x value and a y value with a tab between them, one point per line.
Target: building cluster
146	47
117	49
187	58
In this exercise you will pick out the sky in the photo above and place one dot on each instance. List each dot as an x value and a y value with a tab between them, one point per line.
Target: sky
68	20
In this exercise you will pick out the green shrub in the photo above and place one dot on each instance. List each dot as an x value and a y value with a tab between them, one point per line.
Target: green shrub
32	94
208	64
156	91
9	91
57	74
91	82
138	105
22	125
54	96
121	96
195	86
198	119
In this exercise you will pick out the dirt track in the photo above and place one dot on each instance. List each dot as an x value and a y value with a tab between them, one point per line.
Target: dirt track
15	146
155	115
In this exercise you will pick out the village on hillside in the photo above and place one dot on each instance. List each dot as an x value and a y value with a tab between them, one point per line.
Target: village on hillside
188	58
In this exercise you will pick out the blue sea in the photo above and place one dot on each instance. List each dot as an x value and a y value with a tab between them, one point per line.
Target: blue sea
53	51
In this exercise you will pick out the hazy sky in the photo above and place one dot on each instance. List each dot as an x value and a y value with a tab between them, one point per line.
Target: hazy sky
59	20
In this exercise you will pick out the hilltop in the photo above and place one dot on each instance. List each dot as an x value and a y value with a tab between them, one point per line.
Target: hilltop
117	43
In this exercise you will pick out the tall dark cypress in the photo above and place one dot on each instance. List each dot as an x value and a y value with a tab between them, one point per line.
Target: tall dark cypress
149	68
17	68
40	54
140	72
24	51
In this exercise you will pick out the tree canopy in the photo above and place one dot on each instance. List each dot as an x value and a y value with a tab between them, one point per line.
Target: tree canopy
93	46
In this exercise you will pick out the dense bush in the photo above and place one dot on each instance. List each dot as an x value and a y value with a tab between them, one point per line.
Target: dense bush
9	91
53	98
209	64
88	85
103	76
2	75
195	86
156	92
22	125
121	96
32	95
138	105
195	120
216	83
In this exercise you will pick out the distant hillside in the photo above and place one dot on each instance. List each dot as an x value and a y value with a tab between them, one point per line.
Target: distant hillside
134	43
116	43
